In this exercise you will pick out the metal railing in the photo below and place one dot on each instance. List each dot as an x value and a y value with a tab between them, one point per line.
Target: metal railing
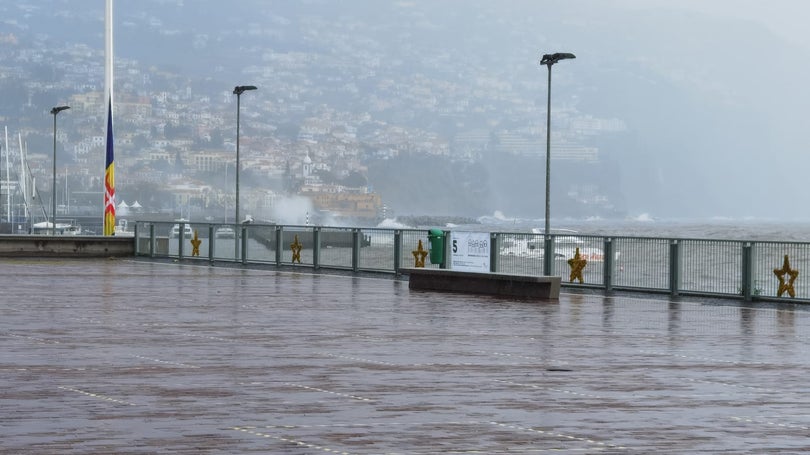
701	267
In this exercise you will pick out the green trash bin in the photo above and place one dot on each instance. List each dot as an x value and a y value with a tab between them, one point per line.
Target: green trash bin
436	240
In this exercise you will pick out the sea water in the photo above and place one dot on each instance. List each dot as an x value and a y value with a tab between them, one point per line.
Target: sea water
669	229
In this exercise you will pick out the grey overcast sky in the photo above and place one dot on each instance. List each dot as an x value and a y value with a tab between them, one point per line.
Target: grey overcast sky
786	18
711	94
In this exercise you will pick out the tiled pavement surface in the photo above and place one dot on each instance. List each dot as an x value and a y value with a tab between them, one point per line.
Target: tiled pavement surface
135	357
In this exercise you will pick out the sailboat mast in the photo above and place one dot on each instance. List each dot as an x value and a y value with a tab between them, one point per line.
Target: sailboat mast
23	179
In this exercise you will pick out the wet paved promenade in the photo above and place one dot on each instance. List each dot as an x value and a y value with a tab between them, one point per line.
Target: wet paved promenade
132	357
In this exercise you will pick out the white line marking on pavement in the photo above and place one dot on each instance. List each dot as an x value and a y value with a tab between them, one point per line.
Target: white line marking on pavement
767	422
301	386
30	338
374	424
600	446
97	396
517	356
567	392
559	435
207	337
729	384
250	430
701	359
358	359
165	362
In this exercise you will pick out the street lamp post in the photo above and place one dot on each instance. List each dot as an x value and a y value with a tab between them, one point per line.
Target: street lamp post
54	111
238	90
549	60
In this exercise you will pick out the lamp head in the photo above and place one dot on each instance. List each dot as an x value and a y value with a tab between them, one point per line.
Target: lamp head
59	109
239	89
550	59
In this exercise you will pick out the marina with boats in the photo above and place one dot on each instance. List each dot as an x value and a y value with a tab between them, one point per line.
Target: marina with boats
22	208
63	228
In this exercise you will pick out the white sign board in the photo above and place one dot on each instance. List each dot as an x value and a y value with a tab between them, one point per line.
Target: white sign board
469	251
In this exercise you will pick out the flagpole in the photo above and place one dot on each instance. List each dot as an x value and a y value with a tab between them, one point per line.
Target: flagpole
109	169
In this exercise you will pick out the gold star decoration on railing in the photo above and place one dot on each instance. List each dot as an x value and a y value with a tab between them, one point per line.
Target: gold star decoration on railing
577	264
195	244
419	255
296	250
781	274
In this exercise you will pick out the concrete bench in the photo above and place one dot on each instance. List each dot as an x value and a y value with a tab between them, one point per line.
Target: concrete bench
498	284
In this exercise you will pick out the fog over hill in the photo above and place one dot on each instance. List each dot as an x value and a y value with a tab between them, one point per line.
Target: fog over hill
712	107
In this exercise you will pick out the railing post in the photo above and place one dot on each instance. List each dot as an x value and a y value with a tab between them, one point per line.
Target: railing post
137	243
674	267
244	239
445	258
494	252
316	247
180	239
607	272
397	251
747	271
548	255
355	249
151	240
279	246
211	242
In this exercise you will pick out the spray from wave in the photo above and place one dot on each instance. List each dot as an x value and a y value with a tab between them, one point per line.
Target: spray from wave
644	217
392	223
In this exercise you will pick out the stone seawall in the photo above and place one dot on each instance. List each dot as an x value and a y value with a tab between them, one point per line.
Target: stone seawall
65	246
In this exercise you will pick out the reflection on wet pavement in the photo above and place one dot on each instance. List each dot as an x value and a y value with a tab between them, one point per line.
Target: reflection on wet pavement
132	357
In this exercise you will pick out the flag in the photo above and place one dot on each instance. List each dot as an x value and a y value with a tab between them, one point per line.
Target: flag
109	169
109	178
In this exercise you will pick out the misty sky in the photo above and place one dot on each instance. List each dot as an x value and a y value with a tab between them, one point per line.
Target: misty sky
727	110
787	18
713	92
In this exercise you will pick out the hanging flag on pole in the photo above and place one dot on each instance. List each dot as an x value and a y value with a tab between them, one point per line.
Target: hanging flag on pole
109	169
109	178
